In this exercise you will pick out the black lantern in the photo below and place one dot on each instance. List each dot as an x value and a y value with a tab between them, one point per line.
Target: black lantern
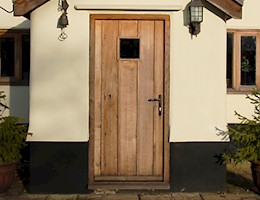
196	16
63	20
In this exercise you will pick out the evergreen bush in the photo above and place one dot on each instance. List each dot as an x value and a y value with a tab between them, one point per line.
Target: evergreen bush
245	136
12	135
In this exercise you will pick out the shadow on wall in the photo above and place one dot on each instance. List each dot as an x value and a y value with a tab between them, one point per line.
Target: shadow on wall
19	90
24	25
19	102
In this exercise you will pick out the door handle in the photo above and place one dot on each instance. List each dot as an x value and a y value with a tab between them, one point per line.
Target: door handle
159	100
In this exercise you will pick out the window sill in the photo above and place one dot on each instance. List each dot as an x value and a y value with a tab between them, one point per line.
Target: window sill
15	83
242	91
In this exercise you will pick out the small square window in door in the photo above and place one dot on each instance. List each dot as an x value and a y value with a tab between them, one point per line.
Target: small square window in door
129	48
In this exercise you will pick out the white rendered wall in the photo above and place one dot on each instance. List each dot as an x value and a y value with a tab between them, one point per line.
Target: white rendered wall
17	96
250	20
59	75
198	88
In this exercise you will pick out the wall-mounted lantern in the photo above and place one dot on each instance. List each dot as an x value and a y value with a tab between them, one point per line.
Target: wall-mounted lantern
196	16
63	20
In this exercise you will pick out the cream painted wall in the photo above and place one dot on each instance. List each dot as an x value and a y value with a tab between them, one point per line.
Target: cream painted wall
250	20
59	75
17	97
197	80
238	103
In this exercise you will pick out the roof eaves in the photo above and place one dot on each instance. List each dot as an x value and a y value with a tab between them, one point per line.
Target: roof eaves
24	7
232	8
241	2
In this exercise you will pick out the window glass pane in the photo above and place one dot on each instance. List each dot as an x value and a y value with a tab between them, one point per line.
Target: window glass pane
7	57
25	57
229	59
129	48
248	55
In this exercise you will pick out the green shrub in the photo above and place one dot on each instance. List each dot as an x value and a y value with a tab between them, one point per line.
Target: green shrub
245	136
12	135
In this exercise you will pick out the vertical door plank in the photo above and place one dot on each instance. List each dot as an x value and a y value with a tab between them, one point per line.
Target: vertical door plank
109	97
128	28
128	70
145	113
158	90
97	109
127	117
166	89
257	62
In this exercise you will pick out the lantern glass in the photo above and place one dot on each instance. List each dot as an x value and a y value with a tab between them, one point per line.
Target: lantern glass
196	14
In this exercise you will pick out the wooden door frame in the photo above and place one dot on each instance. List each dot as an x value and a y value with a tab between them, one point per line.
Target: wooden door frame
92	184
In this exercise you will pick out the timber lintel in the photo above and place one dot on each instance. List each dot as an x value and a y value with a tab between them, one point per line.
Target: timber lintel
23	7
231	7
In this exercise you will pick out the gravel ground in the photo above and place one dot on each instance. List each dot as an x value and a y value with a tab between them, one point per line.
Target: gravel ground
239	178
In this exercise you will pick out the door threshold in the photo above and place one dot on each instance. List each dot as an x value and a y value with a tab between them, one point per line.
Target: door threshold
129	186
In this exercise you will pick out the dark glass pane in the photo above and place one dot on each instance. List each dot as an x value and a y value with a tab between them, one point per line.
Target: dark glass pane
7	57
248	55
25	57
229	59
129	48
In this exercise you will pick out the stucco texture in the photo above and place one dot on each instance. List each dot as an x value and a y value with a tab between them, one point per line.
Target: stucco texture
59	90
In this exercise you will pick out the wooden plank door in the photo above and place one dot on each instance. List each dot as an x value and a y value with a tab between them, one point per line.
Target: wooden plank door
128	133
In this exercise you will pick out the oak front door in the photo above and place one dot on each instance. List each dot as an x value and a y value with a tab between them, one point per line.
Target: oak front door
128	138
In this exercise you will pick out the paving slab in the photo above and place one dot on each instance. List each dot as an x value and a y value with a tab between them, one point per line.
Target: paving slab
90	197
186	196
250	198
230	196
156	197
172	196
28	197
108	197
62	197
220	197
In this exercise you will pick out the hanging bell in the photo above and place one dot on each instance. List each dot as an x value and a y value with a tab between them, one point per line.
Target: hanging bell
64	5
64	20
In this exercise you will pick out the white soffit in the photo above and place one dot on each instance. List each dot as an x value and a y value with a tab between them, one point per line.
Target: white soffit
240	1
128	7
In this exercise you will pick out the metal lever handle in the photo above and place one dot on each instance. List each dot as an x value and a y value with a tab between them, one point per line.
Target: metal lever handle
160	103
